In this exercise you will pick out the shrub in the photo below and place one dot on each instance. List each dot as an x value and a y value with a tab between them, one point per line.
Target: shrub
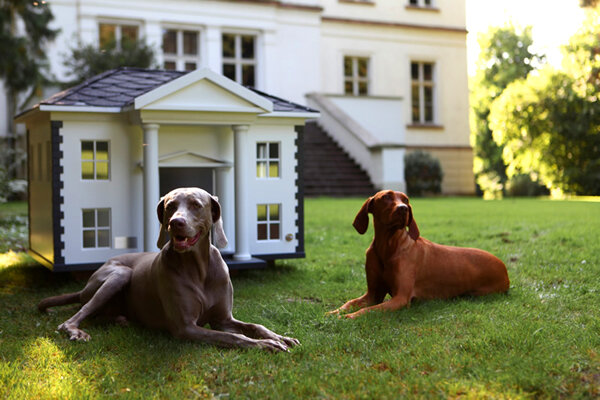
523	185
423	174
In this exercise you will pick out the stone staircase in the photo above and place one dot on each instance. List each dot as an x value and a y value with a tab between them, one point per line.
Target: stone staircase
328	170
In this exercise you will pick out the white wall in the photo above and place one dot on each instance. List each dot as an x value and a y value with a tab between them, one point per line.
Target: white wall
115	193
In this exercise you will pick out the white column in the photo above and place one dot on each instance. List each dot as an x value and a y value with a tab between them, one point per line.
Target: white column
212	54
225	191
151	186
242	154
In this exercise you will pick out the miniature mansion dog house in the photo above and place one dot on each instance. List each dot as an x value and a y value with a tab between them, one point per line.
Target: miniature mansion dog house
102	153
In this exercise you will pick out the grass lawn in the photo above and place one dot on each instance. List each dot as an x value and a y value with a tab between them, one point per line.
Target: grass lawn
541	340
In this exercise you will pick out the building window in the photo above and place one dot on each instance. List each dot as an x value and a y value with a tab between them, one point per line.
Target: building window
96	228
422	92
239	58
113	35
421	3
95	160
269	221
181	49
356	76
267	160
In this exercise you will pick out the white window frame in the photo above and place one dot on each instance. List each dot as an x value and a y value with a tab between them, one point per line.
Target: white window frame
96	228
179	58
355	79
95	161
118	26
268	160
421	84
268	222
237	59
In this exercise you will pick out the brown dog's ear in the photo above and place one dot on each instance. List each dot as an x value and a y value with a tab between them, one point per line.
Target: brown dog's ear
215	208
163	236
413	229
361	221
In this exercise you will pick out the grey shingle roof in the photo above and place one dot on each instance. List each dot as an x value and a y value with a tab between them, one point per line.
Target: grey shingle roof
119	88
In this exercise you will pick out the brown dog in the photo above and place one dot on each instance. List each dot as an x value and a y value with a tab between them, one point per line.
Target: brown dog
407	266
180	289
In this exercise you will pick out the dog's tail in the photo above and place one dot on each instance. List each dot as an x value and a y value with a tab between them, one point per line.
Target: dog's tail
63	299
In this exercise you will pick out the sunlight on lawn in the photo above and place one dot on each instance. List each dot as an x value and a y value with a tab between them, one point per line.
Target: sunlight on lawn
13	259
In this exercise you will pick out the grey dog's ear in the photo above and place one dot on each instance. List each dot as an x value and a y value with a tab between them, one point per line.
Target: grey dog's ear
361	221
163	236
215	208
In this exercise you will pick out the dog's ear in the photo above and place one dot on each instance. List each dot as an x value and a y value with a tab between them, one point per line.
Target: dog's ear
215	208
361	221
163	236
413	229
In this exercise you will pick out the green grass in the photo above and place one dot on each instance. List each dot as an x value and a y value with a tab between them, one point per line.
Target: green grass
541	340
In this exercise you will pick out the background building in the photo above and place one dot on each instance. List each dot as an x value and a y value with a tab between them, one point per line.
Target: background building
389	76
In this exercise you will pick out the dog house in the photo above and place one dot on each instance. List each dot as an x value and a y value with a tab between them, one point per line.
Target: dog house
102	153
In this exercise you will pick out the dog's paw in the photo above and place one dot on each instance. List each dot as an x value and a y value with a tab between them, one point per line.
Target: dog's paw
289	342
74	332
271	345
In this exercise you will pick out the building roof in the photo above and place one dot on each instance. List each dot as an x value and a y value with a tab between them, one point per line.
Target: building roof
120	87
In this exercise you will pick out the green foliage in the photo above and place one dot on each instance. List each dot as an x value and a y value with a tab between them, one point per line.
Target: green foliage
86	61
538	341
504	57
549	123
22	57
423	173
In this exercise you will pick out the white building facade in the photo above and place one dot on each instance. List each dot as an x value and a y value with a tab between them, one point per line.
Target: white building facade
389	76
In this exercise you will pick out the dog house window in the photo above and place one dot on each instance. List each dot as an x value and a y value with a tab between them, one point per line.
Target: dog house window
267	160
95	160
239	58
422	92
96	228
356	76
181	49
269	221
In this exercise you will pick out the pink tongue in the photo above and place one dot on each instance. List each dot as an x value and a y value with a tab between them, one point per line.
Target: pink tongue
187	242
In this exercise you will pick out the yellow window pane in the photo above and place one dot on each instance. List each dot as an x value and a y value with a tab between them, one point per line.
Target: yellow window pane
103	238
87	170
89	239
87	150
261	211
101	150
129	33
274	169
274	212
102	170
89	218
103	218
261	169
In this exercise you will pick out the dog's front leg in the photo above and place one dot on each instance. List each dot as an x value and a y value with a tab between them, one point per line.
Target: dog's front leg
376	288
192	331
255	331
393	304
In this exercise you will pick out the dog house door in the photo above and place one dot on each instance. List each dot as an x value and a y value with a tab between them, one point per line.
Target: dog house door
176	177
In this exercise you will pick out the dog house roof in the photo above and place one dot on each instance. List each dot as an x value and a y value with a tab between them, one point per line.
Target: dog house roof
120	87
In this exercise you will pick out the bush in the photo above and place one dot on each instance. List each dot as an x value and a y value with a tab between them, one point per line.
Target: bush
423	174
522	185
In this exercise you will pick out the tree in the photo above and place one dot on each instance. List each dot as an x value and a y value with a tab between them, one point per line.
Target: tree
22	57
505	56
87	61
549	124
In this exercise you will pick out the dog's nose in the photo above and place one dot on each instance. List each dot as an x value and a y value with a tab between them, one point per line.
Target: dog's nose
401	207
177	223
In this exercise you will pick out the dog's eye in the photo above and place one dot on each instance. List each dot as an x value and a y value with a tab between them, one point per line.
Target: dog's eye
170	206
196	204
